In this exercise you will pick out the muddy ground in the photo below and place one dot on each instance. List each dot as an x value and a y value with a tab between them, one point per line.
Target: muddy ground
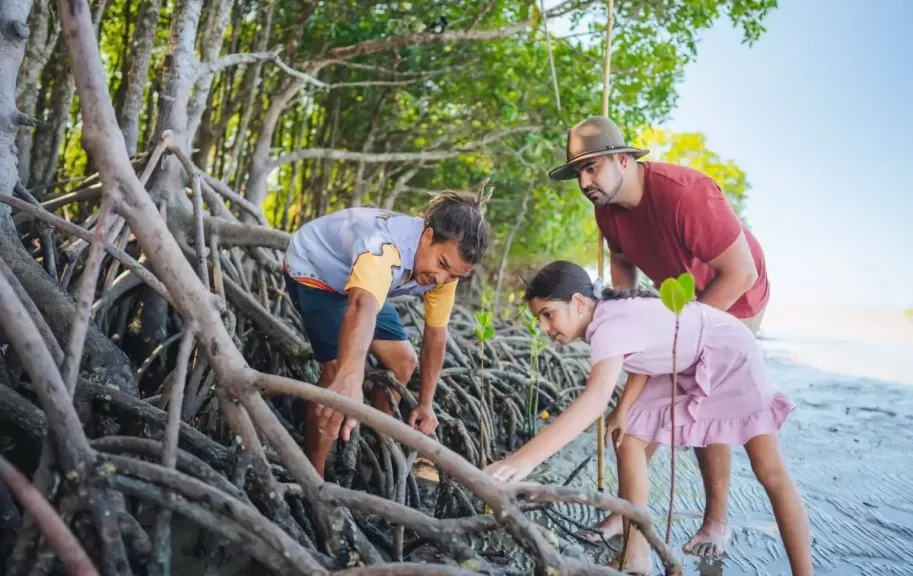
849	445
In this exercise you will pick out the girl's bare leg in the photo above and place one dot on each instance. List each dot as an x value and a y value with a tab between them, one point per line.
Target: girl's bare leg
633	486
788	507
612	525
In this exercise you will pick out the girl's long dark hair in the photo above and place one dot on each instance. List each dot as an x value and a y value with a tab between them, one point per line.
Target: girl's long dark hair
561	279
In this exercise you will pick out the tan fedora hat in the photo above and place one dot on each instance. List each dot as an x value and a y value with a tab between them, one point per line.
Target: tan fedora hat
595	136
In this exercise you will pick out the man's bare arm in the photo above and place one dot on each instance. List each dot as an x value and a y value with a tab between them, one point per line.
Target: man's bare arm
735	274
355	337
356	331
434	343
624	274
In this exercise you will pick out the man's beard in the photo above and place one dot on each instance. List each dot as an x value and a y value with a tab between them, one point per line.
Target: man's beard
599	197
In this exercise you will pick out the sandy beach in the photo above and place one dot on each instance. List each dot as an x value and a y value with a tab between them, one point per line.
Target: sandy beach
847	445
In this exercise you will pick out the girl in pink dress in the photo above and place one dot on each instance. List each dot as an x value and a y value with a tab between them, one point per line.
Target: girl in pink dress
723	396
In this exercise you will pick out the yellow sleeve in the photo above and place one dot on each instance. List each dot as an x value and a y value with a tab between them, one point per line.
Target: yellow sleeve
439	304
374	273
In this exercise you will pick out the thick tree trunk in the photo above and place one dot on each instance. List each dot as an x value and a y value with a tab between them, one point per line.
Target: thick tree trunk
13	33
255	189
41	42
144	41
210	47
249	86
48	138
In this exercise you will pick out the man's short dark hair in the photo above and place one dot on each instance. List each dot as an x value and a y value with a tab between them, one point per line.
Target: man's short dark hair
455	216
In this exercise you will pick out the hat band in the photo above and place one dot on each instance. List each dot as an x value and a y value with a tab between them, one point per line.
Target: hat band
605	149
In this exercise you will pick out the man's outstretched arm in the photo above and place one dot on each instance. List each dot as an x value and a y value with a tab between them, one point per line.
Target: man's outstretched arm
355	337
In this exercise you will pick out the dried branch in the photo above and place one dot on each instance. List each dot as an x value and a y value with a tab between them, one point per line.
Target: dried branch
42	326
223	190
80	324
74	558
199	235
396	569
161	551
284	337
72	446
88	194
306	78
80	232
186	462
235	60
239	234
377	157
197	443
216	261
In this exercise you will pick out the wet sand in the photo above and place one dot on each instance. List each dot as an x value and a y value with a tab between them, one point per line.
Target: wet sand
849	446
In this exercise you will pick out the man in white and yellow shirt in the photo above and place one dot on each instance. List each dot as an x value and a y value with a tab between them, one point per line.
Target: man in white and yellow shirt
340	270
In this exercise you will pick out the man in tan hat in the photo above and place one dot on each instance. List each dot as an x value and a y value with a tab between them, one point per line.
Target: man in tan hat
665	220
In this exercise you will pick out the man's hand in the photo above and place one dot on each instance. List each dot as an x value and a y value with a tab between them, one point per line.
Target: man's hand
329	421
423	419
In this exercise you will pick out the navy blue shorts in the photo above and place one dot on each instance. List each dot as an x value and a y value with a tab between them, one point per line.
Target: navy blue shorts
322	312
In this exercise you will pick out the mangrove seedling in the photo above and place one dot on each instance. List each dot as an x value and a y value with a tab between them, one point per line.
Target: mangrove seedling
675	294
536	345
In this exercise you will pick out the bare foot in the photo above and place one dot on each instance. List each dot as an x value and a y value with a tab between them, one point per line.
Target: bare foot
610	527
710	540
638	560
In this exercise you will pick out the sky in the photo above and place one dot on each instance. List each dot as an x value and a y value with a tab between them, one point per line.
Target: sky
819	114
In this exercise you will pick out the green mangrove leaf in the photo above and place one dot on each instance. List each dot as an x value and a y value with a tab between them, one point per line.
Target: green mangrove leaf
672	295
686	281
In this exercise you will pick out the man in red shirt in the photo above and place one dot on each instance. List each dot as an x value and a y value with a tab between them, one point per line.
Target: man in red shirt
665	220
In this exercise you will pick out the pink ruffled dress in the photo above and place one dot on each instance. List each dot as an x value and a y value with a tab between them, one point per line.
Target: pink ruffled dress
724	395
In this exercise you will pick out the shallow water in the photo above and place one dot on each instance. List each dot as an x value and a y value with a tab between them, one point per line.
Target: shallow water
849	447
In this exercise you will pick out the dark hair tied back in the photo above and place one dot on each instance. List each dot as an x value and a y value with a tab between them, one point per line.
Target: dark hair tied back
455	216
561	279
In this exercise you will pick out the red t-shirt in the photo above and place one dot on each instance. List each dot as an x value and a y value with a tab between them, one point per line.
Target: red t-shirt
682	221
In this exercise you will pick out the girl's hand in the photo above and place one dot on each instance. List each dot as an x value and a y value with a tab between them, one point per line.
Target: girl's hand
514	468
616	422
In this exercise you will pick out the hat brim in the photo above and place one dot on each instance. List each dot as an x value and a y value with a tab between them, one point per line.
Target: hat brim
567	171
